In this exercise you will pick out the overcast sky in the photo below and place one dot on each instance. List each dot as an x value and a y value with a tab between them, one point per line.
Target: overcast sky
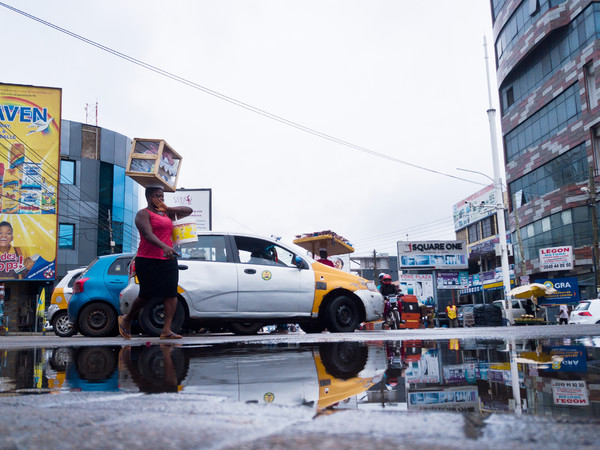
400	78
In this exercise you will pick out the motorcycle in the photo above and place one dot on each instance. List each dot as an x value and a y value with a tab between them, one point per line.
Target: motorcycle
391	312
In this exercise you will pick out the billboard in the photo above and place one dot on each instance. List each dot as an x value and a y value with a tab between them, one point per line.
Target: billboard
29	168
418	284
433	254
200	200
567	291
556	258
475	207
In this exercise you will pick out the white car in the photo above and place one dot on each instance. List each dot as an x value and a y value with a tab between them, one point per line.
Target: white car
518	309
586	312
245	282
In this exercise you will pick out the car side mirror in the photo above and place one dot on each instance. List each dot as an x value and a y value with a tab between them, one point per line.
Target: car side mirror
298	262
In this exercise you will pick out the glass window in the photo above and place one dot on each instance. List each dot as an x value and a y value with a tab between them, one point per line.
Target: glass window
119	266
261	252
66	235
207	248
546	224
566	217
67	171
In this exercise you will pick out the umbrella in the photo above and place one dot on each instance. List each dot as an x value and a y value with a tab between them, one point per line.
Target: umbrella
532	290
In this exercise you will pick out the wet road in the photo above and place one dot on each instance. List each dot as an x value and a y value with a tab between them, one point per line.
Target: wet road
435	388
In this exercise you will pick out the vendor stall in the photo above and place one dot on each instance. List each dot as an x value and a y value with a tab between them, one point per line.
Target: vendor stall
328	240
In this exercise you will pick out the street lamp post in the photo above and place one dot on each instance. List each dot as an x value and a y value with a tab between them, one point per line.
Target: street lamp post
498	188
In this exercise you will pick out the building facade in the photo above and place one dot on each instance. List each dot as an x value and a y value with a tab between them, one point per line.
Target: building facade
547	61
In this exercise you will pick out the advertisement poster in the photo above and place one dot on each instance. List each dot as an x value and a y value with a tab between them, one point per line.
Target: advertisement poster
567	358
29	165
425	370
567	291
572	393
475	207
556	258
200	200
453	280
420	285
433	254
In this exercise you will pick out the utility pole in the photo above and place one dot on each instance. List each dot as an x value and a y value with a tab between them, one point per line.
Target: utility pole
375	266
110	233
498	188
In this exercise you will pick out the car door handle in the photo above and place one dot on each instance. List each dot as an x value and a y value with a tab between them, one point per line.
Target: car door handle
182	267
251	271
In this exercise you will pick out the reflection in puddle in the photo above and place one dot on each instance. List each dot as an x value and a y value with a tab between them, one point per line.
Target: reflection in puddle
552	376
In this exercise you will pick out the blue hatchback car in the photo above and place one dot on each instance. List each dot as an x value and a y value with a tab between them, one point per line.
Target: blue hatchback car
94	305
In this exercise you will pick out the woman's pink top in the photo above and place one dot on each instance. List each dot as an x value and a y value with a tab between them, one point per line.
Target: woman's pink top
162	227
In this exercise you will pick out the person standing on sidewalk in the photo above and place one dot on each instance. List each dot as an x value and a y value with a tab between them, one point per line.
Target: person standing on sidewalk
563	316
451	312
156	260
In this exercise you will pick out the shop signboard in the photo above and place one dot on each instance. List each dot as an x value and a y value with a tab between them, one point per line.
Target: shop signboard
29	169
570	393
453	399
567	291
567	358
453	280
420	285
556	258
200	200
433	254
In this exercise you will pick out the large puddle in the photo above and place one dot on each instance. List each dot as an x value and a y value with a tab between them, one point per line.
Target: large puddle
549	377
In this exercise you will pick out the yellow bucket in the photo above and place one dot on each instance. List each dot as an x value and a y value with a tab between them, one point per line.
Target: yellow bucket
184	231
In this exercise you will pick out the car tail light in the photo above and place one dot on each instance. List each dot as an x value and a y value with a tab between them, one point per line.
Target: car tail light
78	286
585	313
132	268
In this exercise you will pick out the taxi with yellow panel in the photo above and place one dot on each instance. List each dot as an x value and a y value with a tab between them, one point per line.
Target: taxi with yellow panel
244	282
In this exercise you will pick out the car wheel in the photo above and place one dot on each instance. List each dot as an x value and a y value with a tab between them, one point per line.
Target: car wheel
342	315
97	320
343	359
61	357
245	328
96	363
152	317
312	327
61	325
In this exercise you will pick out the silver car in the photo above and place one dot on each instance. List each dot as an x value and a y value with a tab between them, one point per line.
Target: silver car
244	282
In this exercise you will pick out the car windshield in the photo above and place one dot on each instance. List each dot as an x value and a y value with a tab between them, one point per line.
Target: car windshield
583	306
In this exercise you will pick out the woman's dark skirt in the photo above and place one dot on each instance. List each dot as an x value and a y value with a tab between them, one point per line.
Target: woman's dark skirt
157	277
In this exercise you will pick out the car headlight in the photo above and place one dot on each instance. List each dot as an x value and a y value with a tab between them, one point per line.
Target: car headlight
371	286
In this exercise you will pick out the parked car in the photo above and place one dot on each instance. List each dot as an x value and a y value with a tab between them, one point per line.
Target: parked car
465	316
586	312
94	305
519	307
486	315
246	282
58	316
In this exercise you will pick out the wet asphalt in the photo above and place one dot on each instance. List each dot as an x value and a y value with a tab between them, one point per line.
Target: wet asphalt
119	420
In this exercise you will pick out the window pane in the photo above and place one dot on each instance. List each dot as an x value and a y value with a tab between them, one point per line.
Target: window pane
66	234
67	171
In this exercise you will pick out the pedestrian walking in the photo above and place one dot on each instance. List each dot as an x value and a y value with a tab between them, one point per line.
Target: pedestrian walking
156	261
563	315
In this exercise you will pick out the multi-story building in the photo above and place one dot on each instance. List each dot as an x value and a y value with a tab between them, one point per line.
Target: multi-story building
547	61
97	202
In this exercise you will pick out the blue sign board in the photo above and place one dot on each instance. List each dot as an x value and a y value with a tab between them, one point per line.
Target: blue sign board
568	291
567	358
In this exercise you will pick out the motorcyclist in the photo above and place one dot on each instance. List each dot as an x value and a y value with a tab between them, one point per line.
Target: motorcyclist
387	288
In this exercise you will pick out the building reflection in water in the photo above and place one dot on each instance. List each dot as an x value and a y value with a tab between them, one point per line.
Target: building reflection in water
555	376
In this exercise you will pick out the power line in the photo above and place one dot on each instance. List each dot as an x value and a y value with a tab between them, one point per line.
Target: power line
231	100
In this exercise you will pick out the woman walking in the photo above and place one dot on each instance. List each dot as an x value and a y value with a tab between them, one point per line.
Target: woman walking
156	260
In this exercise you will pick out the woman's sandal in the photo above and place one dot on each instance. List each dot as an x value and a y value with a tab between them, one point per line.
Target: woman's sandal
171	335
123	330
